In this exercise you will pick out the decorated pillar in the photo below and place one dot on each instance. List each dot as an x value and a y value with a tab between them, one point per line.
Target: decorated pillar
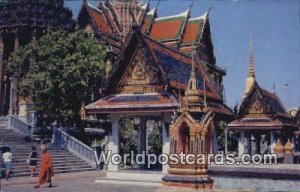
113	143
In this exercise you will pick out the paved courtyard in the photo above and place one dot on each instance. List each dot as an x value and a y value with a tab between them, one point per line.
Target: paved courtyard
75	182
79	182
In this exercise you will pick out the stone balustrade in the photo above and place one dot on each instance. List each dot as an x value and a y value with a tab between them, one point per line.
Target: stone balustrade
73	145
19	126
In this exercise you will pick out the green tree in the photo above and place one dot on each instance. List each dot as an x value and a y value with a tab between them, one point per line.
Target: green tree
59	72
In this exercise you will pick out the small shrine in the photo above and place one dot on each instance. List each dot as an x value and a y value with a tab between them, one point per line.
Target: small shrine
262	120
192	133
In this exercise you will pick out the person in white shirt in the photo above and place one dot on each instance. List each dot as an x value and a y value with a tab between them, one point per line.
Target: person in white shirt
7	162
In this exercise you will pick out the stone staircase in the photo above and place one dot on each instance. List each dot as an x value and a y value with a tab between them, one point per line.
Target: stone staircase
63	161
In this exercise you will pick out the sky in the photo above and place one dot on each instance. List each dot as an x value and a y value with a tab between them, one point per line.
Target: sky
275	29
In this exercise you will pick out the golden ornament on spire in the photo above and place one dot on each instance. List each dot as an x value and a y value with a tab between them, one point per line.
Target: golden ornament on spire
251	73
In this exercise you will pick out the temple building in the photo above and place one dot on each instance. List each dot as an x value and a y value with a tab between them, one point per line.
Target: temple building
112	20
22	21
156	82
262	119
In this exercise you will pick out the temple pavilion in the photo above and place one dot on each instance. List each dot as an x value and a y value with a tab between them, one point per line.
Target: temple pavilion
154	81
163	69
262	119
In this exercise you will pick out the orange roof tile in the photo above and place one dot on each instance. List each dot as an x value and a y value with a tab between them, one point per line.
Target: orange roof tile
193	30
166	29
100	21
169	28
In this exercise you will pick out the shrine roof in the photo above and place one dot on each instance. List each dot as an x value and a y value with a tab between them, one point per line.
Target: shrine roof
169	28
271	114
259	123
270	100
149	102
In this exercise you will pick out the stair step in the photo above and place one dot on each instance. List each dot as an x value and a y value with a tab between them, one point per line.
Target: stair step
63	161
55	172
61	168
58	164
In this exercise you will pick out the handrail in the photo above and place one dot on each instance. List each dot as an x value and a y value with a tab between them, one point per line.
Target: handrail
73	145
19	126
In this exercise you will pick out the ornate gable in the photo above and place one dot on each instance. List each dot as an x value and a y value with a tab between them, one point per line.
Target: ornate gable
140	76
253	105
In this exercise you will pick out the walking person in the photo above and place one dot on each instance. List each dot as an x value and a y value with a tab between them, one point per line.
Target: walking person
7	161
46	169
32	161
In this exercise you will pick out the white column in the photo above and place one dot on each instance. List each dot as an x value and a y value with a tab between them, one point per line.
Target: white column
241	143
166	140
113	143
249	142
273	141
226	140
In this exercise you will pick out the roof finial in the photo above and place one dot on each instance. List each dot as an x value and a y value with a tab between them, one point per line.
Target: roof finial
210	7
274	87
191	4
157	4
251	60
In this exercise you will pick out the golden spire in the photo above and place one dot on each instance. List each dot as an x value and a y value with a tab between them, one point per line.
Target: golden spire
191	92
251	72
251	61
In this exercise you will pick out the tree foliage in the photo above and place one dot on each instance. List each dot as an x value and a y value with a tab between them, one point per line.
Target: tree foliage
59	72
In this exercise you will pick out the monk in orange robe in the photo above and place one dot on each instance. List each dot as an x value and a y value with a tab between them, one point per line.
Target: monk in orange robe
46	169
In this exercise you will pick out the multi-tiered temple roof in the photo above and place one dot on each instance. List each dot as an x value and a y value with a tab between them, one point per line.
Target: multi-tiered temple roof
180	32
153	76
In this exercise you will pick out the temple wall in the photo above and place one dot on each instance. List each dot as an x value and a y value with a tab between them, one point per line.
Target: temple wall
282	177
255	184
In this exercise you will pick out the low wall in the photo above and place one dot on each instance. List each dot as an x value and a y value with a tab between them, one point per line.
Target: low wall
282	177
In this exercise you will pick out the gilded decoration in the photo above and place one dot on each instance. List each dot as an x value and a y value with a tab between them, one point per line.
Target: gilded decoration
278	148
189	136
140	77
289	147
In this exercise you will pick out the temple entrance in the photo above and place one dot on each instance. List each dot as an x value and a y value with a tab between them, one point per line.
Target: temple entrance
138	137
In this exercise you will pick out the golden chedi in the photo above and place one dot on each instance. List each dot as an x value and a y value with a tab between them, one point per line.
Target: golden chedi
278	148
289	147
